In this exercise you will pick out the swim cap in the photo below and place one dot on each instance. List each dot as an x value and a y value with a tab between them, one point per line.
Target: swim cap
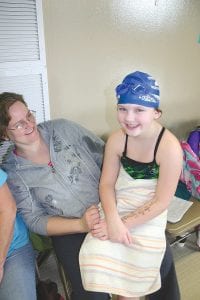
138	88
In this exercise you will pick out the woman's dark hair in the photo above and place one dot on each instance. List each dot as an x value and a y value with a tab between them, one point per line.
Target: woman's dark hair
6	101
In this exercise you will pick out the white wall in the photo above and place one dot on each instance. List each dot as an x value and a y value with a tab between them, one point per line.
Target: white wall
92	44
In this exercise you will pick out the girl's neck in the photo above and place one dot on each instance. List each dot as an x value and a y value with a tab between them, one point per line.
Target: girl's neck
141	148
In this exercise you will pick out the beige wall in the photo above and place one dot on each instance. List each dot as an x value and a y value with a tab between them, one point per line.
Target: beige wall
92	44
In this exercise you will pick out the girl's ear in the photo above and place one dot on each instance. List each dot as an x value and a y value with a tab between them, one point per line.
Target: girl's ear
158	114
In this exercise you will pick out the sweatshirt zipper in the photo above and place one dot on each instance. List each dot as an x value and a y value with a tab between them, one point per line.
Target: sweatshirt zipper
50	164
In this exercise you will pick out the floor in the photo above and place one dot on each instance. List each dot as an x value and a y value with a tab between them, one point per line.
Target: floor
187	261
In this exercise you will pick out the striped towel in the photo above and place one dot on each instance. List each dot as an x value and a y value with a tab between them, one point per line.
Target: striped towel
130	271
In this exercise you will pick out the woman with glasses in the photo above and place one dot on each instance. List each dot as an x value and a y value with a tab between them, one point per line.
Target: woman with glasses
17	261
54	171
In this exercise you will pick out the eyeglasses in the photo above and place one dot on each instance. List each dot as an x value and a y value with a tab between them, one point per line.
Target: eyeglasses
22	125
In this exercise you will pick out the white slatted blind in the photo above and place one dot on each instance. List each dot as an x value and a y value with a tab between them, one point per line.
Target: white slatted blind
22	55
18	31
25	85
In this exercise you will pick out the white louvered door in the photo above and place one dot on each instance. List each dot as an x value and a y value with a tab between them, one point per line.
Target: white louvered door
22	55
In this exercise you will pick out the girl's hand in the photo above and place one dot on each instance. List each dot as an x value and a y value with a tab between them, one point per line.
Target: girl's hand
118	232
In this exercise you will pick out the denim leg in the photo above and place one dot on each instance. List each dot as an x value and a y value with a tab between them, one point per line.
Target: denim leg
19	275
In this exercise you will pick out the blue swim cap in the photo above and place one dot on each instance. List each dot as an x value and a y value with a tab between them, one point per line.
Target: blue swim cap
138	88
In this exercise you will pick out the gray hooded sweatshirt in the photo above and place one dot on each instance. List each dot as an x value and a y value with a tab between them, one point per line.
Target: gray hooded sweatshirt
67	186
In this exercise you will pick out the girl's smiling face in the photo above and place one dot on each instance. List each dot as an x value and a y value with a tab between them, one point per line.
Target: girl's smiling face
136	119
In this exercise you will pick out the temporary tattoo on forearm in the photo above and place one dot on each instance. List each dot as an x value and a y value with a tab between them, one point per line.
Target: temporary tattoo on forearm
140	211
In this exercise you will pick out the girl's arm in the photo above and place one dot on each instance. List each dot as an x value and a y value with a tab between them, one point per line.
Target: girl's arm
169	157
7	218
117	232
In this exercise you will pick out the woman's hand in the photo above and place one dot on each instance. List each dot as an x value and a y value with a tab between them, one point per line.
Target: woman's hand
90	218
100	230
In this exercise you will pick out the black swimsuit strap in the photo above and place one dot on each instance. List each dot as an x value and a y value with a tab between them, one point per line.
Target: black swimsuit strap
156	146
125	146
158	142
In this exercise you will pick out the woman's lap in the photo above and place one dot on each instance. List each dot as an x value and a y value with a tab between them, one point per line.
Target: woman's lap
67	251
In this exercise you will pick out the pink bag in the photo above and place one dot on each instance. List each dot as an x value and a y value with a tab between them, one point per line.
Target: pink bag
191	170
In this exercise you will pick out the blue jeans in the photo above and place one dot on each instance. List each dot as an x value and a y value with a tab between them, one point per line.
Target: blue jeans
19	275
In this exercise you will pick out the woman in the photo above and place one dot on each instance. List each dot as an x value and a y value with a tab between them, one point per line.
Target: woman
142	165
17	261
53	172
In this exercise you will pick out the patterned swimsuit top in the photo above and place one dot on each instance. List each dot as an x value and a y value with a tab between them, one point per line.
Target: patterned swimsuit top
141	170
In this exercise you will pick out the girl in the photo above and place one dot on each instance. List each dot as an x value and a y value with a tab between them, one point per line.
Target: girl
142	165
